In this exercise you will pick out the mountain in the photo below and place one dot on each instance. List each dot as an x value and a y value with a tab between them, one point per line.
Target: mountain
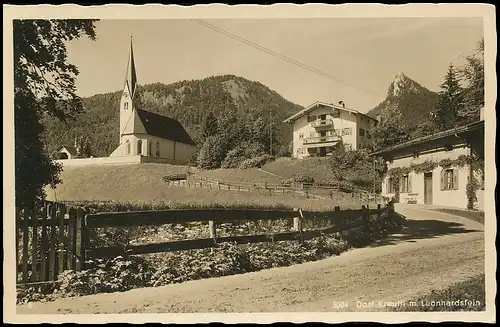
414	101
187	101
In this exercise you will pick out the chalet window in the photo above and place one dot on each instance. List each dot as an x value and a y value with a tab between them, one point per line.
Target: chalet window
311	118
390	185
405	184
301	135
449	179
361	132
157	149
127	145
347	131
139	147
125	106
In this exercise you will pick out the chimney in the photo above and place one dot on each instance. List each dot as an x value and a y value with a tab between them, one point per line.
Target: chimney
342	103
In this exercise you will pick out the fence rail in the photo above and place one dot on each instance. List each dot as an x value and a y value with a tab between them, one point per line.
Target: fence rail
53	237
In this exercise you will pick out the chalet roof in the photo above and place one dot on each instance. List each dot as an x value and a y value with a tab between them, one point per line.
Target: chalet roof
164	127
69	148
318	103
433	137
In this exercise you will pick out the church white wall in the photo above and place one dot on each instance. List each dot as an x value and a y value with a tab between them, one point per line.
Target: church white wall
170	150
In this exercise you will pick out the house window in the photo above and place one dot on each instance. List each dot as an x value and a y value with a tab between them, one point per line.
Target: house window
150	148
390	185
125	106
139	147
405	184
449	179
127	145
301	135
157	149
311	118
347	131
361	132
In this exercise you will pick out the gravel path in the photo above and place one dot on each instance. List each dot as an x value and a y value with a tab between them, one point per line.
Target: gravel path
433	251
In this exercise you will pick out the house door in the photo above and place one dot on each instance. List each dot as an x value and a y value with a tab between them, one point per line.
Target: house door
428	188
322	151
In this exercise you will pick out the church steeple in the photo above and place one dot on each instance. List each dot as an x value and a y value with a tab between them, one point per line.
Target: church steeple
131	77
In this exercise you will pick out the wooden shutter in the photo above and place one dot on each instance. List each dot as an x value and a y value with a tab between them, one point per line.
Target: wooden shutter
409	183
442	179
455	179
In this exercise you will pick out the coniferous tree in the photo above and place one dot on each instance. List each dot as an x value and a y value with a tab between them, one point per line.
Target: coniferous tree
473	75
450	100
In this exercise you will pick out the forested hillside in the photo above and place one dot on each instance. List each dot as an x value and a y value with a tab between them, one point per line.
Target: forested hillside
251	104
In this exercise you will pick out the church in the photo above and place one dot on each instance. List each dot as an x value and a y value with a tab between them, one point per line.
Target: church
147	134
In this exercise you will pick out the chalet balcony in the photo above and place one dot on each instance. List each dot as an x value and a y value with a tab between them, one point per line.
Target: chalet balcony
321	139
322	123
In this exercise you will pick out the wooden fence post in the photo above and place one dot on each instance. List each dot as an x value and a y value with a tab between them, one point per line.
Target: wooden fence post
18	232
80	239
61	212
52	243
34	243
71	238
213	229
26	228
297	224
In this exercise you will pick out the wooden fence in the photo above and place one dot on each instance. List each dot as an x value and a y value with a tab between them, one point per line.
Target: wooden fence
49	239
319	191
57	234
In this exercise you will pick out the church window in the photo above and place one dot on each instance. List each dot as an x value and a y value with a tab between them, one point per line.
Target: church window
139	147
125	106
157	149
128	146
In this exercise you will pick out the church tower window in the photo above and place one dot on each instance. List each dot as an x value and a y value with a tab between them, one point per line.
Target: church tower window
128	146
125	106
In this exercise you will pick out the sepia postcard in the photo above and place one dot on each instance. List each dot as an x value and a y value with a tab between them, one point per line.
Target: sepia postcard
249	163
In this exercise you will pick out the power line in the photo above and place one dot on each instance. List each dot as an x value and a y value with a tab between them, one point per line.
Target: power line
283	57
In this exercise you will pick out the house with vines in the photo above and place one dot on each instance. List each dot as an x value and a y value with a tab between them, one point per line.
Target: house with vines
446	168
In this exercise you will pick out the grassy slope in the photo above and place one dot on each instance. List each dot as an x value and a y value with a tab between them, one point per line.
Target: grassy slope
143	183
473	215
318	168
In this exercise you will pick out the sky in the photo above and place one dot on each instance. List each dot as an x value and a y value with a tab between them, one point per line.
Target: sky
361	55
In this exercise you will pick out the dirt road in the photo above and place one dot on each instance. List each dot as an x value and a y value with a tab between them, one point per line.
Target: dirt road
433	251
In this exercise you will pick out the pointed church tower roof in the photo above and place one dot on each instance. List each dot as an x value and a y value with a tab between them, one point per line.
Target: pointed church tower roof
131	77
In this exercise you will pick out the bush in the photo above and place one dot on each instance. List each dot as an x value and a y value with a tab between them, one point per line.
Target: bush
298	179
211	153
256	162
246	150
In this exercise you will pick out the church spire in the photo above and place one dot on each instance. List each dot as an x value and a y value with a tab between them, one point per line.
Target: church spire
131	78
